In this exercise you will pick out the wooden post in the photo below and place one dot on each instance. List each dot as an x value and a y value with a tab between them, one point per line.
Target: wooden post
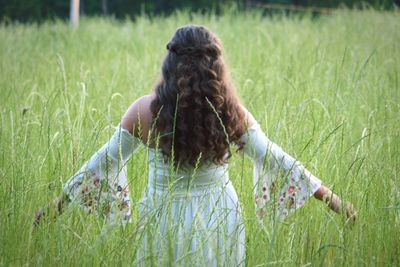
74	13
104	7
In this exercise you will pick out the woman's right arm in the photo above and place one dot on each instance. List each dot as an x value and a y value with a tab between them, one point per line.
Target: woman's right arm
281	183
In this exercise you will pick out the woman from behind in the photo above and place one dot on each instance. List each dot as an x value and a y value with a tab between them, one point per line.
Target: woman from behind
191	208
190	213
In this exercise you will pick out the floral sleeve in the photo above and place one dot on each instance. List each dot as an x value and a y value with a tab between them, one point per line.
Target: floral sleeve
281	183
101	184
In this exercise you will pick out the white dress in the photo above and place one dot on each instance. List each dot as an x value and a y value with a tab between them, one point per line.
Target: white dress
191	216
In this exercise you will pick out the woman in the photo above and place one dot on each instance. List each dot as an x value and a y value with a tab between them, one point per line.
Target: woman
190	212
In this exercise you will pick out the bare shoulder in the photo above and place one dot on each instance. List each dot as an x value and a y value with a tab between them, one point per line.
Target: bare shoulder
137	118
250	120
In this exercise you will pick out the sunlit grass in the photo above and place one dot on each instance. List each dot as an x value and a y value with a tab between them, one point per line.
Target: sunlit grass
326	89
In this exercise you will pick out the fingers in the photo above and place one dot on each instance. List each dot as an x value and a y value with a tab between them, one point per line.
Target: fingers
351	213
38	216
53	209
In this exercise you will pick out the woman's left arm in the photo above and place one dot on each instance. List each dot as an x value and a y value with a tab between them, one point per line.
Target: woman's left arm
103	177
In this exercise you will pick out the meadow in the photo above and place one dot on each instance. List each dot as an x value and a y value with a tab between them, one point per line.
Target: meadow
326	88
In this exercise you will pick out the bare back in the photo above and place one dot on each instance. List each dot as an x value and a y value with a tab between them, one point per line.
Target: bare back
137	119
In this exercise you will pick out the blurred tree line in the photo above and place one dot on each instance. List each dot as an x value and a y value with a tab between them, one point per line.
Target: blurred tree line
39	10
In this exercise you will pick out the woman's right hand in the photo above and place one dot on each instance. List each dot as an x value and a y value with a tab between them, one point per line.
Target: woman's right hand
351	213
335	203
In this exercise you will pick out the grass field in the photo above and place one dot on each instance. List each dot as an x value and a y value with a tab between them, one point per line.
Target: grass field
326	89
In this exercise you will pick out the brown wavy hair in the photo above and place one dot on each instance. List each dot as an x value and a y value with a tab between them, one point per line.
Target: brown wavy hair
196	112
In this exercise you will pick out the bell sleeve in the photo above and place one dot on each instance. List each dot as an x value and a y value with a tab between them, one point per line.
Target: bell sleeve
101	184
281	183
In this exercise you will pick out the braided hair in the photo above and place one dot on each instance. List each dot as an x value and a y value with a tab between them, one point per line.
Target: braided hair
196	112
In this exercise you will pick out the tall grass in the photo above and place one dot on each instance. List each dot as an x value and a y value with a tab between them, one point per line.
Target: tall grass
326	89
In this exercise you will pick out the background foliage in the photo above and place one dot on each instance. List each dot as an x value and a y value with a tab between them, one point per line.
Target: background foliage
324	88
40	10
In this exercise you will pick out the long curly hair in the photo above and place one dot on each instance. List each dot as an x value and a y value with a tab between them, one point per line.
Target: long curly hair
196	112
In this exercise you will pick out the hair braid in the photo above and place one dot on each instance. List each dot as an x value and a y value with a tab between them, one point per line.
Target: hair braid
195	84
